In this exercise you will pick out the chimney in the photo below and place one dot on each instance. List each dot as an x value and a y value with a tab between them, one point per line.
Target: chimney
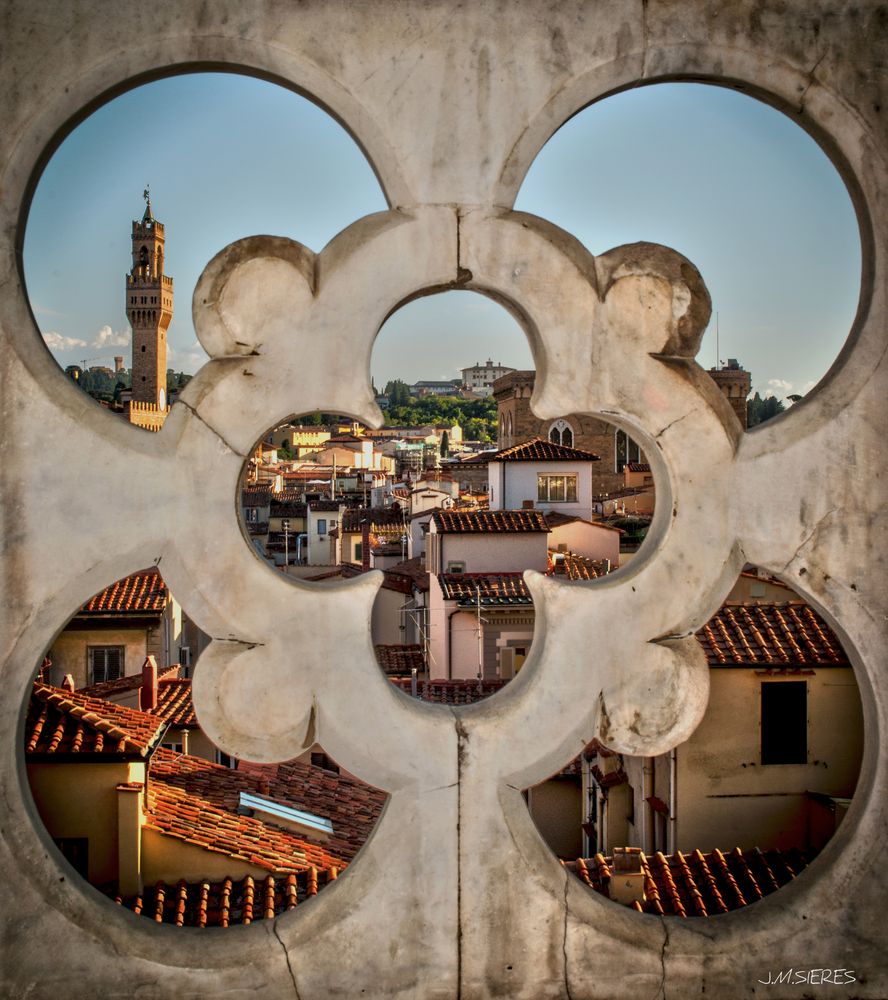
148	692
627	882
129	838
527	505
68	682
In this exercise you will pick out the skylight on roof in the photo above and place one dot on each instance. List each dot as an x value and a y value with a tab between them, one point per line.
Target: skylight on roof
288	816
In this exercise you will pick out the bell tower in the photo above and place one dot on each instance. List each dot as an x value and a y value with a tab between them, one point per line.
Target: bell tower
149	307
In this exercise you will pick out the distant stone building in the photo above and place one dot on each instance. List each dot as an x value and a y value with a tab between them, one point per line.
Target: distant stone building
149	308
517	424
735	382
479	379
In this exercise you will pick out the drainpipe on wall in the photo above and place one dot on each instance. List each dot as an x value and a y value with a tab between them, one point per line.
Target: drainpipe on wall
672	836
647	810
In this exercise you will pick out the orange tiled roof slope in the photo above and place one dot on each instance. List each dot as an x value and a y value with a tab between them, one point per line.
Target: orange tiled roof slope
576	567
70	722
638	467
174	704
538	450
132	682
697	884
490	589
400	659
477	521
464	691
351	805
143	592
227	903
196	819
770	635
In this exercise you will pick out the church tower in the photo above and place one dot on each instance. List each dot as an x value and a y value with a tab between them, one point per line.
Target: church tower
149	306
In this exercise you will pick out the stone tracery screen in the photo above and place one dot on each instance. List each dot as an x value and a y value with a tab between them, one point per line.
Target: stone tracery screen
455	894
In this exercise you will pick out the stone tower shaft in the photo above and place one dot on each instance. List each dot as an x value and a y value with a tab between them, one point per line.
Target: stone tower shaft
149	308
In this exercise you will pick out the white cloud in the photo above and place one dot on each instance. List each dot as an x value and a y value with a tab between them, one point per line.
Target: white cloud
187	360
106	337
778	387
58	342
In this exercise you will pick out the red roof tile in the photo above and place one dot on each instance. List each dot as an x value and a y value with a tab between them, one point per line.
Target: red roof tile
70	722
697	884
574	567
194	818
111	689
637	467
499	521
770	635
352	806
143	592
174	704
229	902
491	589
400	659
538	450
451	692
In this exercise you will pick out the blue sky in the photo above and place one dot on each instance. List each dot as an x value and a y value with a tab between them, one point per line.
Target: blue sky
731	183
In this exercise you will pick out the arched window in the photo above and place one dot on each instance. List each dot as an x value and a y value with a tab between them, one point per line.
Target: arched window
561	433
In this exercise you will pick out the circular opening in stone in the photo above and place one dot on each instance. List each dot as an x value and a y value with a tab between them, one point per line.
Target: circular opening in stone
141	804
118	319
743	806
745	194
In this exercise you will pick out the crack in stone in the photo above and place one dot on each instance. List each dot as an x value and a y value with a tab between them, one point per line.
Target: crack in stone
808	537
462	739
567	992
661	989
810	82
238	642
274	931
684	416
210	427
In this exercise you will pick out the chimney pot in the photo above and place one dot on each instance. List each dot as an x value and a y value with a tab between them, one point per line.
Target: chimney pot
148	692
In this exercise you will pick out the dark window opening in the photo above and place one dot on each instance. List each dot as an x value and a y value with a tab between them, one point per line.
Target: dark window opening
785	722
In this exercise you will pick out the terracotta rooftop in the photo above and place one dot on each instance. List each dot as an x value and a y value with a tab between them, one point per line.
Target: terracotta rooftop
538	450
174	704
111	689
228	903
413	570
575	567
62	722
381	519
696	884
637	467
400	659
142	593
351	805
478	521
195	818
771	635
255	496
493	590
451	692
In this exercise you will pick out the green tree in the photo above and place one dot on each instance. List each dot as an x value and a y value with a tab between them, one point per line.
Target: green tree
445	444
398	393
759	410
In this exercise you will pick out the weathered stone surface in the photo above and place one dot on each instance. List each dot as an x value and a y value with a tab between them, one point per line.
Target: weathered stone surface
455	894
